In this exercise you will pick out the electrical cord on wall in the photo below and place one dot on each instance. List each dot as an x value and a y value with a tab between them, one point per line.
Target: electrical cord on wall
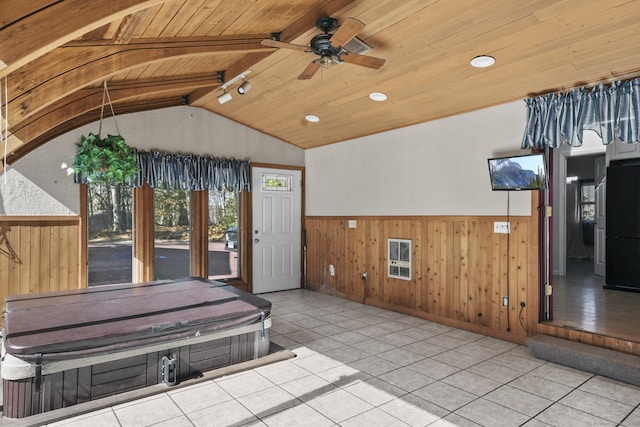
522	306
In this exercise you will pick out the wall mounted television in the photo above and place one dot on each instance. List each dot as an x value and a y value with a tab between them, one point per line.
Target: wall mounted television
518	173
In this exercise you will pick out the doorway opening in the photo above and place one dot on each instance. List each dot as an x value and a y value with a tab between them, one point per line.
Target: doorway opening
580	300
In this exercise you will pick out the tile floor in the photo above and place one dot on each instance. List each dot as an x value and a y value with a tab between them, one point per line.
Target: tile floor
358	365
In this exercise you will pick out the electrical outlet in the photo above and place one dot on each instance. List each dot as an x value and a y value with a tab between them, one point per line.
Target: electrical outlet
505	301
332	270
352	223
501	227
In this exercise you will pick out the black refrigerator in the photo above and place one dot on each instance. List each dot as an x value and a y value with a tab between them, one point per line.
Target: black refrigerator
623	226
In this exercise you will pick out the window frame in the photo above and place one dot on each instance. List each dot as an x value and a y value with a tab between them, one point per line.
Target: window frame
144	242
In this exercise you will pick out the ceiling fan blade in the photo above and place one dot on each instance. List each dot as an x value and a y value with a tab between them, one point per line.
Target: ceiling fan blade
275	43
348	30
363	60
311	69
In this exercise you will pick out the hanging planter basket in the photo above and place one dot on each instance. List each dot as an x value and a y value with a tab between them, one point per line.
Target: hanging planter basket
106	160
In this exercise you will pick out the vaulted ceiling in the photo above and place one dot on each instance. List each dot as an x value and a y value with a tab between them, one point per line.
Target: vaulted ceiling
55	57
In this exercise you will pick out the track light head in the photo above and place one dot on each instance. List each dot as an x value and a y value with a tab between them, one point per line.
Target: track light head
244	87
225	97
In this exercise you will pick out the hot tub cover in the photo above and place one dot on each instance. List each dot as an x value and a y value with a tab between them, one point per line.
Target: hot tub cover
110	318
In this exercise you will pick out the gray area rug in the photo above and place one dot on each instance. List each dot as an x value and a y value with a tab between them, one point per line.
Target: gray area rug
601	361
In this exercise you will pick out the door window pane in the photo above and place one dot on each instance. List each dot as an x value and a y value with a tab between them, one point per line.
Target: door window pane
110	234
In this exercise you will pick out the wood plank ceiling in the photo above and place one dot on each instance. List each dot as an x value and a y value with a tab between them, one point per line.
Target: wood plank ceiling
56	55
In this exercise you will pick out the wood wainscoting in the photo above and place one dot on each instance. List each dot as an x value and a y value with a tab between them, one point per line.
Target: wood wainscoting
462	269
39	254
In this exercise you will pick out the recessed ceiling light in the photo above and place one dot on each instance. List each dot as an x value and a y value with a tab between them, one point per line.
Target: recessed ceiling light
311	118
483	61
378	96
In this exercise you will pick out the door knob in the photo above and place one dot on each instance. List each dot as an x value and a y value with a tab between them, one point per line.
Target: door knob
256	241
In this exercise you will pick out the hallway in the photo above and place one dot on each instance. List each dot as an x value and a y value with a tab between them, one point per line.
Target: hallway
581	302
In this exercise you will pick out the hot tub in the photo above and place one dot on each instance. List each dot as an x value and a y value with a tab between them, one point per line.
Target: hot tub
64	348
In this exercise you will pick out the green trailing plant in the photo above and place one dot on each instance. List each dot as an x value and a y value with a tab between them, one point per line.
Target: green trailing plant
106	160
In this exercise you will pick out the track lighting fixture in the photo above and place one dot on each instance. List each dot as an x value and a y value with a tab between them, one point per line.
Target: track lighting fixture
244	87
225	97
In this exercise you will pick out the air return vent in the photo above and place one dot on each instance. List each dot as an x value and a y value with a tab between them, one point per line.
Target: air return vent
355	45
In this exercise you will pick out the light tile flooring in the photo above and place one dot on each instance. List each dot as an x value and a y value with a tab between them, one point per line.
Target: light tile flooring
358	365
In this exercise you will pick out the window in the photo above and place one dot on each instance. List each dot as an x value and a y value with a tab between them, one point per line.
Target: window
587	201
399	259
172	225
224	234
110	234
165	246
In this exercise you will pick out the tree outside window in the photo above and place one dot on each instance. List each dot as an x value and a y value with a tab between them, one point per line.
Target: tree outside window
110	234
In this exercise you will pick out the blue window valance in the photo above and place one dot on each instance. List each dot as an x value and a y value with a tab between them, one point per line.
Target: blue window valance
190	172
612	111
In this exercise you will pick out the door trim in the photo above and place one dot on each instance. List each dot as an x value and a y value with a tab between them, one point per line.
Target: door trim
248	236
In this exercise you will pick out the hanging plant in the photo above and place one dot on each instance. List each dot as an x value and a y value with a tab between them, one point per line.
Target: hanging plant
106	160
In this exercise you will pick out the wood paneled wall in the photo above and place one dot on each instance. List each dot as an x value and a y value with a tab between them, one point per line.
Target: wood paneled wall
39	254
461	268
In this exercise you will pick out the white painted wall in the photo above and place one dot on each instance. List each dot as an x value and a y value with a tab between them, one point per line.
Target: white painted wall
434	168
184	129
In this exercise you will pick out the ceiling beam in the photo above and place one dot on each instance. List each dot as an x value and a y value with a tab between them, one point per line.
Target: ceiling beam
38	87
81	63
22	149
32	35
89	99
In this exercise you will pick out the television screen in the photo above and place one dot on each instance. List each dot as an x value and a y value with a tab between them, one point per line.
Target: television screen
517	173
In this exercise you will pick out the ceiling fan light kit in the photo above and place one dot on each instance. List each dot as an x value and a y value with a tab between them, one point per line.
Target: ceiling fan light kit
312	118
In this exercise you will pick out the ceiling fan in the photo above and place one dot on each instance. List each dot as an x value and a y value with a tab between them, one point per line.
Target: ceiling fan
330	46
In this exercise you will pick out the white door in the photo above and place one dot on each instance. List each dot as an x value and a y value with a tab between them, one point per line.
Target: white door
600	239
277	229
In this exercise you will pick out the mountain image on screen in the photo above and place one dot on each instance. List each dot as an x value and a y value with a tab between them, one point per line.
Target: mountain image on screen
508	174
